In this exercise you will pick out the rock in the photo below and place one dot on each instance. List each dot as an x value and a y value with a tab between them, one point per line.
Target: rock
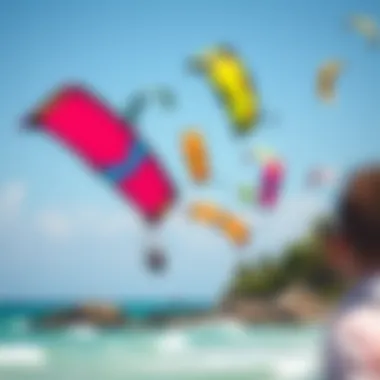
193	320
178	319
302	304
99	315
247	310
294	305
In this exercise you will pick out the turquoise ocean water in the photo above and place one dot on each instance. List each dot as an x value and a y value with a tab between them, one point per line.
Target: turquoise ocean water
224	350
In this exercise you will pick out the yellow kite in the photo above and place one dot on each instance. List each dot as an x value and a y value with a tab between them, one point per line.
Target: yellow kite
231	82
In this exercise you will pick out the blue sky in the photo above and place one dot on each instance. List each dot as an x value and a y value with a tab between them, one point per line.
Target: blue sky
64	233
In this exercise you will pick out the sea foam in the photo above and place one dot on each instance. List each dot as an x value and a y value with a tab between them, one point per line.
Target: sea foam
22	355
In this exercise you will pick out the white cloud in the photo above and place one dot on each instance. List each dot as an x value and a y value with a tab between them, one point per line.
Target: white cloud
85	221
53	224
63	222
107	224
12	197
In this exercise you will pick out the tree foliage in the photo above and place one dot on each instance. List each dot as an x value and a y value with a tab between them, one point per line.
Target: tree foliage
302	262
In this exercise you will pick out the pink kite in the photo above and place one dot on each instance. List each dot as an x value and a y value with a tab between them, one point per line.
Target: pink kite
272	177
109	145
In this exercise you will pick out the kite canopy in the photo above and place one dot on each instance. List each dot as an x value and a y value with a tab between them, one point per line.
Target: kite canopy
83	123
235	229
321	176
246	194
195	154
327	77
232	84
205	212
272	178
366	27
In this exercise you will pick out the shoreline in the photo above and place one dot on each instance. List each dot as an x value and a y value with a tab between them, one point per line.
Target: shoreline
293	306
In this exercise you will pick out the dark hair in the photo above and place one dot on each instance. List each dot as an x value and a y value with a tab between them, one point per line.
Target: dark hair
358	215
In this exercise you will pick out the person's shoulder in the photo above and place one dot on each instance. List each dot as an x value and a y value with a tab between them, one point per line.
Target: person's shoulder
361	320
355	317
357	337
355	332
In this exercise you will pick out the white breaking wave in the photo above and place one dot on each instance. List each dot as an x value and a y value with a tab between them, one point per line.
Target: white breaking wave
173	342
234	327
294	368
22	355
82	331
229	327
232	362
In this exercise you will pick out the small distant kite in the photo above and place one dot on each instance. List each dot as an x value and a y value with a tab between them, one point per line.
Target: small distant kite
205	212
236	230
320	177
272	178
366	27
271	181
327	77
246	194
231	82
195	154
140	100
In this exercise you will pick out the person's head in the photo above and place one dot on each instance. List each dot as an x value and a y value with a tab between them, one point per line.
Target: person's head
353	240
